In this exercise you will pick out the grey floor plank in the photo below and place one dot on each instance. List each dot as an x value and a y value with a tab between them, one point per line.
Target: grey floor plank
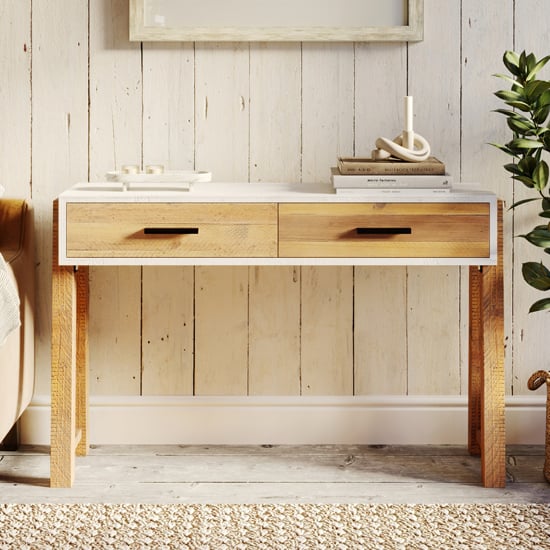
239	474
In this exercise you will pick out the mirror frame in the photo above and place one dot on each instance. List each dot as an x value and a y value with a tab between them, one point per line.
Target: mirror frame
412	32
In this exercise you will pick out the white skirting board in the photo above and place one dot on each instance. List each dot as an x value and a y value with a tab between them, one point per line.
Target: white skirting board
286	420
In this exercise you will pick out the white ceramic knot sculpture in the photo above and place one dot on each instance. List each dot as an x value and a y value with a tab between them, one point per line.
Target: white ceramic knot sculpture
407	146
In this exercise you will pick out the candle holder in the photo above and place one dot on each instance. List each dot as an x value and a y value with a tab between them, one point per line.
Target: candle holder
406	146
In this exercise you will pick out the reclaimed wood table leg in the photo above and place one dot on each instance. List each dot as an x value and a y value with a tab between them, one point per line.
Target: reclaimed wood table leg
486	412
69	345
63	392
82	298
475	360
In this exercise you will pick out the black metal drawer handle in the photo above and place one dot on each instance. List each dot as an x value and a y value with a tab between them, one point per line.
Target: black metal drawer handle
383	231
171	231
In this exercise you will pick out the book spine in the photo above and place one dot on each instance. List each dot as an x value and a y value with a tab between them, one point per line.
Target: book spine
397	181
366	192
431	166
389	169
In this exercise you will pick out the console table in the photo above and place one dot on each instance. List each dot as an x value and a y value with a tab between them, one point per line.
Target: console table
273	224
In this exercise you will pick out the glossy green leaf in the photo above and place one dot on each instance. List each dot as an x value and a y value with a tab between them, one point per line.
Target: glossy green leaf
540	236
538	66
544	98
504	148
530	63
508	95
513	169
527	181
521	202
527	164
540	305
536	275
540	175
507	112
508	78
535	89
541	114
523	127
521	143
521	105
511	62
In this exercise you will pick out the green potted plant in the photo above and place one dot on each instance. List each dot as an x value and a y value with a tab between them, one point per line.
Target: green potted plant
527	111
528	102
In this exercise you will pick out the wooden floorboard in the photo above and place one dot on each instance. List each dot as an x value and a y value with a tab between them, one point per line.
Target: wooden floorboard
248	474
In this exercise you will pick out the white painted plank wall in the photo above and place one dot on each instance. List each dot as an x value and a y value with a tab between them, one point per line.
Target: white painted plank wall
115	139
260	112
59	154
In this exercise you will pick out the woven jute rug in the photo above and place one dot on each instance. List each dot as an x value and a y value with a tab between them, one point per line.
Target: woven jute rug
273	526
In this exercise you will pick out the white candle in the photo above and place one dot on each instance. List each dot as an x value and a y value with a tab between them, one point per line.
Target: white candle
408	113
408	134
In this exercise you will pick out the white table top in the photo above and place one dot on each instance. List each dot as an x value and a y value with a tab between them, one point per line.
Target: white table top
267	192
263	192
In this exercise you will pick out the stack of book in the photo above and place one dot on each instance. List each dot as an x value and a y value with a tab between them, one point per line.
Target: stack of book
368	176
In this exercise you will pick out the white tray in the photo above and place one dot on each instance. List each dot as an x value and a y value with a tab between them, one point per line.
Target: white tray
169	176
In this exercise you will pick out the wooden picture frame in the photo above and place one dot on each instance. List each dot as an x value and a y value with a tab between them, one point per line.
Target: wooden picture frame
354	21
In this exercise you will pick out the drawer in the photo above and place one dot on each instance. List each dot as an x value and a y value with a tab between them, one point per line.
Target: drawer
171	230
384	230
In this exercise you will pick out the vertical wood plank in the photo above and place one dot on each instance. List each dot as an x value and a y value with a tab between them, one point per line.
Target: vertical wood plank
222	110
115	140
221	146
221	333
114	331
168	109
115	90
434	355
274	331
59	139
15	98
327	131
483	44
168	331
380	336
275	135
327	118
275	112
530	329
380	292
433	321
327	337
167	296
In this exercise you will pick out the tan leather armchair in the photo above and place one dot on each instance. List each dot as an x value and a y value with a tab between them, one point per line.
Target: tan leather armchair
17	352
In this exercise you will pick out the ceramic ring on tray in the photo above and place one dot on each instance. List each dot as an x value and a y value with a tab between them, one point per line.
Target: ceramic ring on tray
387	148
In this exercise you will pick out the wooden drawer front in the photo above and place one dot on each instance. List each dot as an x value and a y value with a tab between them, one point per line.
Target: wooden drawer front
380	230
168	230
